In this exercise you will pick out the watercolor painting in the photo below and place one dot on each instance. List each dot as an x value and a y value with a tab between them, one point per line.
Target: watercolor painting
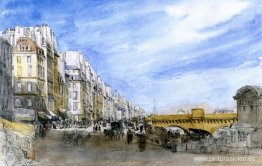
130	83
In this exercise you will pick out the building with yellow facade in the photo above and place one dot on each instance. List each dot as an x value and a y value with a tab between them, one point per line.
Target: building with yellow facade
44	37
56	85
29	75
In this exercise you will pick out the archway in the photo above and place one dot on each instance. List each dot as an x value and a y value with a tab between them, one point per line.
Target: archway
197	134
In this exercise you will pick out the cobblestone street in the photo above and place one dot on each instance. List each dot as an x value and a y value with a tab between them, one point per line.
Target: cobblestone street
97	151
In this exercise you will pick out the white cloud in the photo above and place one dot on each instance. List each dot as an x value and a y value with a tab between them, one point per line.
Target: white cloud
216	87
134	55
190	19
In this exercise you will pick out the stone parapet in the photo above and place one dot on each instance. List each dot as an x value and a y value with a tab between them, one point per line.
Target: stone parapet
16	143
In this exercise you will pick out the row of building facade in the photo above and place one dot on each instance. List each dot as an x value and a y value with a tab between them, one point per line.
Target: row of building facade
42	80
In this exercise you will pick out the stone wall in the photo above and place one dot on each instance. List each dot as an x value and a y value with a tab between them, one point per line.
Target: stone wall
16	145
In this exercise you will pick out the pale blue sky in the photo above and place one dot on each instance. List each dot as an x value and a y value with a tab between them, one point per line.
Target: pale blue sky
178	52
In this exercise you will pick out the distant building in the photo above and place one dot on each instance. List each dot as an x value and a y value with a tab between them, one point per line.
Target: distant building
222	111
6	94
75	69
63	87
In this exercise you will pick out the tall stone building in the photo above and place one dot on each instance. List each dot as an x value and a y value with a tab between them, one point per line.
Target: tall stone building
77	103
29	77
109	105
63	87
249	112
93	80
89	91
99	99
56	85
6	80
44	37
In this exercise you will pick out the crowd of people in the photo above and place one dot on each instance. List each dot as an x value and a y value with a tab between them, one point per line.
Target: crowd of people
139	131
97	127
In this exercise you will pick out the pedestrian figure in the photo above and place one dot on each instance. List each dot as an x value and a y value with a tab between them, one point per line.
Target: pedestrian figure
41	130
54	125
141	142
75	138
96	128
44	129
165	140
99	128
129	136
141	128
174	143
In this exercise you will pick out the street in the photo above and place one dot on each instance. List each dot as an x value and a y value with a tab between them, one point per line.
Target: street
98	151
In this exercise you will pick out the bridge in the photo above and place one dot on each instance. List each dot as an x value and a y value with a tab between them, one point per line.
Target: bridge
197	121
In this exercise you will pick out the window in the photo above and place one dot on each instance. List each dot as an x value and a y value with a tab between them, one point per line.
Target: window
29	87
233	136
75	95
19	87
43	41
70	94
39	71
43	72
29	71
244	136
28	59
29	102
239	136
69	106
61	90
6	104
75	106
74	86
19	71
18	59
17	102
